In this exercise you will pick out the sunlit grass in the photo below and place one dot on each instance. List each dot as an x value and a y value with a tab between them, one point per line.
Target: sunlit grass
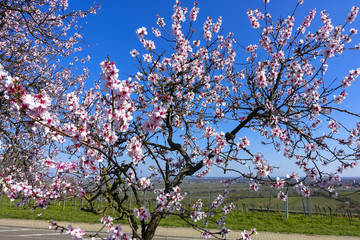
236	220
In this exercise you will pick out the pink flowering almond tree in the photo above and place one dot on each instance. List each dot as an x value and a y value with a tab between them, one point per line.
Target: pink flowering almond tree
35	36
187	110
205	104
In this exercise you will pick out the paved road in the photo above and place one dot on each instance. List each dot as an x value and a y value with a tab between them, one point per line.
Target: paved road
16	233
16	229
21	233
10	232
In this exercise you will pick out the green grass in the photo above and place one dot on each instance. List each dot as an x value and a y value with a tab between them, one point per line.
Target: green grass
352	196
237	220
339	224
296	223
56	212
295	203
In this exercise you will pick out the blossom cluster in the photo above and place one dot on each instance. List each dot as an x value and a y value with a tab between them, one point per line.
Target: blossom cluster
76	233
184	99
155	120
198	214
261	165
171	201
134	149
142	214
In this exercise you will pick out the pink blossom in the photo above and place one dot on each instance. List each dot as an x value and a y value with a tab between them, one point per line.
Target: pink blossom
194	12
253	20
198	215
141	32
280	183
282	196
134	149
156	32
251	48
352	15
333	125
143	183
134	53
160	21
208	132
205	235
254	187
147	58
260	78
224	231
149	45
155	120
76	233
339	98
142	214
245	235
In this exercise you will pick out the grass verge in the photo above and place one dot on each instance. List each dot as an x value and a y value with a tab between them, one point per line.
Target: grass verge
339	225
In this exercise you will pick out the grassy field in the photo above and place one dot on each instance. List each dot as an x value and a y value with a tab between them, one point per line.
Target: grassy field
343	219
296	223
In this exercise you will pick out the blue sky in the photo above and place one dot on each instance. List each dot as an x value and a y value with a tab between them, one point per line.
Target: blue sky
112	32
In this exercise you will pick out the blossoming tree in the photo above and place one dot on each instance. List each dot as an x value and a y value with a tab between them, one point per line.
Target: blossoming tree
35	36
184	112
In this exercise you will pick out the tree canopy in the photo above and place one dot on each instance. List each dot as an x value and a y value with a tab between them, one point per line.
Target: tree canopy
184	112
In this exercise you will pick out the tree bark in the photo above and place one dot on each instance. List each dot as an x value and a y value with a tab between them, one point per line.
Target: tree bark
148	230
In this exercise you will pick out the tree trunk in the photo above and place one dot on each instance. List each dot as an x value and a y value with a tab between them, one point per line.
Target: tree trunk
148	230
